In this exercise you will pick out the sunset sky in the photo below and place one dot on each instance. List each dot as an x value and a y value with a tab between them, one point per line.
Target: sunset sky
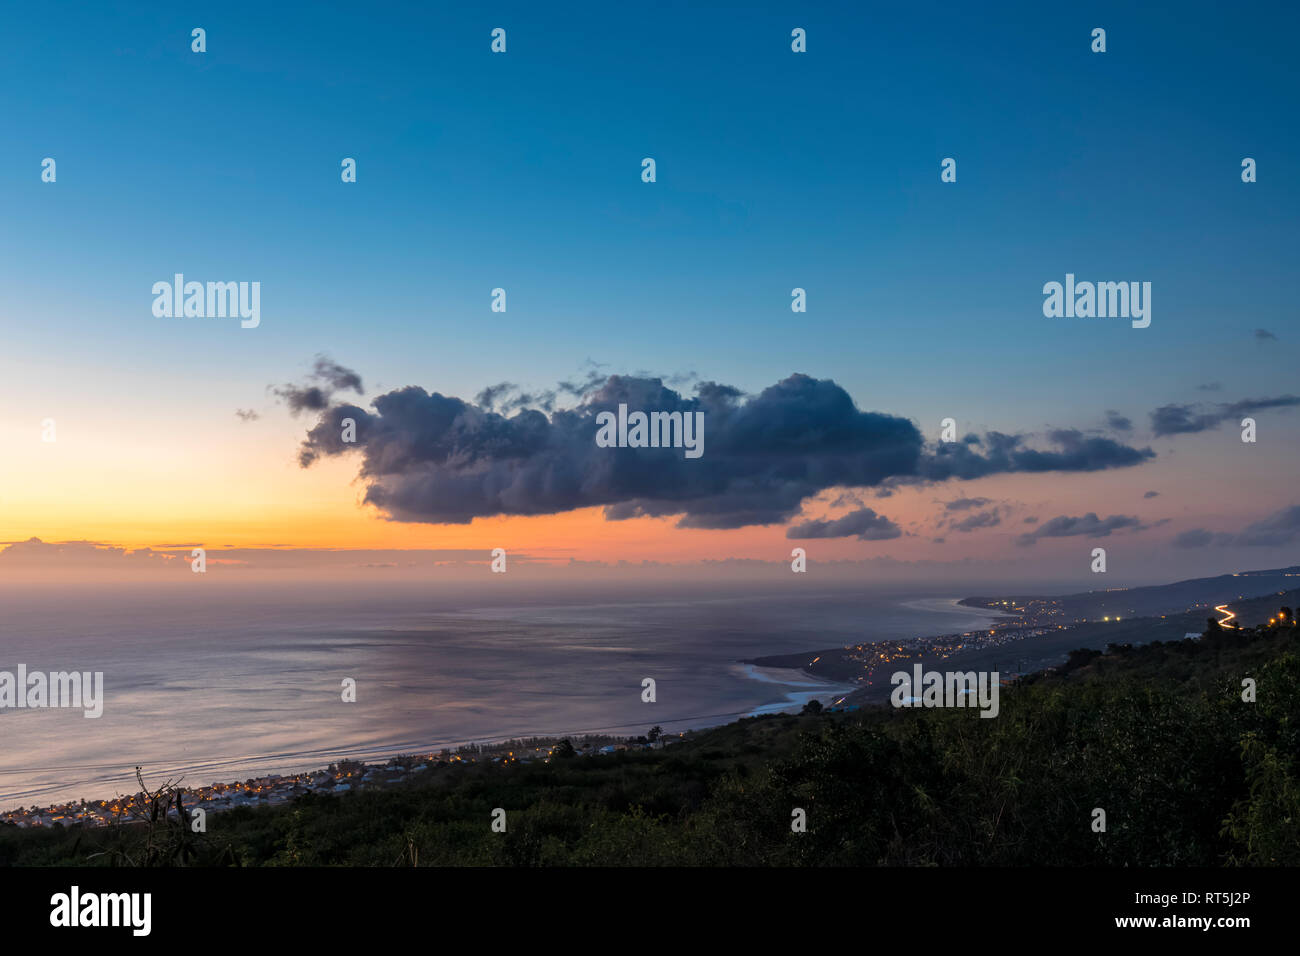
523	171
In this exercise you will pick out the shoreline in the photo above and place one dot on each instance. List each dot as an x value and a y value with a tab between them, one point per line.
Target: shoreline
793	695
816	687
287	777
839	672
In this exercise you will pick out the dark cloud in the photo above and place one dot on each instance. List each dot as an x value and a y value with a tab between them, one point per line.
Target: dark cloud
489	396
1248	405
1264	335
436	458
1210	387
325	379
996	453
544	400
1185	419
965	504
507	397
1280	528
1118	422
864	523
1181	420
593	380
981	519
1032	519
1152	494
1089	525
247	415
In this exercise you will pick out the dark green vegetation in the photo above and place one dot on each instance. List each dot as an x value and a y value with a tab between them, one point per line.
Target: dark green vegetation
1158	736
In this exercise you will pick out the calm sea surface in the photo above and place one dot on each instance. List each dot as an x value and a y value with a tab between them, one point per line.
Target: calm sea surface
226	681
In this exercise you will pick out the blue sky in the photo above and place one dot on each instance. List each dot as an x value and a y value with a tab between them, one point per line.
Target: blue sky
775	170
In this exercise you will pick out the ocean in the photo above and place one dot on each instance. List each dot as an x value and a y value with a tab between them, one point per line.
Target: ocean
228	680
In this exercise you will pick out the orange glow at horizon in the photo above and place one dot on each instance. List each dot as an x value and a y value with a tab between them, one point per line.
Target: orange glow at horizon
230	491
173	481
584	535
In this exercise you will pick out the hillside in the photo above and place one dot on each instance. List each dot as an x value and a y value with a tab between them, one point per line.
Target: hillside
1156	735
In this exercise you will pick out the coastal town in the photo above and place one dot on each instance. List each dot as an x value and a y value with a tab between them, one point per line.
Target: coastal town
1027	634
343	777
1031	634
861	663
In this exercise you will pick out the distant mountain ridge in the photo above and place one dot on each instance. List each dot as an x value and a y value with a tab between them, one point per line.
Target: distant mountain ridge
1160	598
